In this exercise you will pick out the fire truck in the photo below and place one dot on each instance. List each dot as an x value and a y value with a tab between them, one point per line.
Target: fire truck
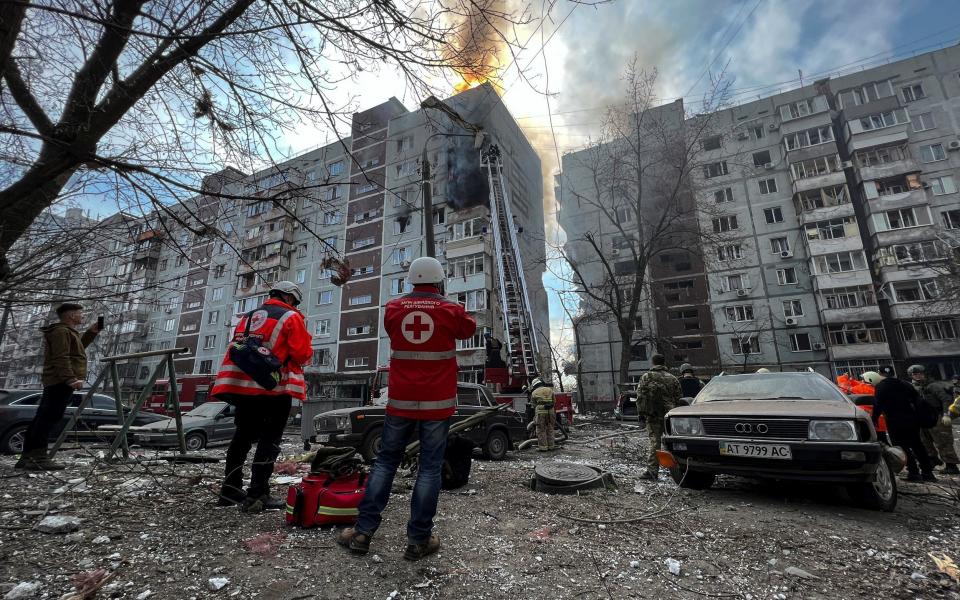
193	391
508	379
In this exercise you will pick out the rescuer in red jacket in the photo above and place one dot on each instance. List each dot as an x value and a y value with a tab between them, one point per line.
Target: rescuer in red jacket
422	396
262	414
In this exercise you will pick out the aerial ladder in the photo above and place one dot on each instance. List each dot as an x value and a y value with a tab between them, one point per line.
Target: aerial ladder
519	337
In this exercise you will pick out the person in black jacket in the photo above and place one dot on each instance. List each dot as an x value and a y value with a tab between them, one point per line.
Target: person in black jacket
690	386
897	400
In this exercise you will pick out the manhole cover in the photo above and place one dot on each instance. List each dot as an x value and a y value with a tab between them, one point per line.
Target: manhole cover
568	478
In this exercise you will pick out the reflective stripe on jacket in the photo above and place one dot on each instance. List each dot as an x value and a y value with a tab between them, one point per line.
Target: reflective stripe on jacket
542	397
284	332
423	327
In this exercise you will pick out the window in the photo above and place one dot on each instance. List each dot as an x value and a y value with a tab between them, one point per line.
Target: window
330	243
832	229
942	185
923	121
330	194
333	217
355	361
729	252
366	188
400	255
787	276
809	137
302	251
301	276
321	357
470	228
902	218
728	223
768	186
168	325
773	215
623	214
737	281
439	216
779	245
803	108
209	341
715	169
399	285
679	315
358	330
465	266
932	153
745	345
881	156
849	297
472	300
841	262
724	195
206	366
880	120
800	342
761	158
712	143
471	343
360	271
321	327
792	308
951	219
856	333
218	271
912	92
757	131
941	329
401	225
916	252
823	197
815	167
916	290
163	265
180	260
216	294
866	93
407	168
743	312
405	143
325	297
361	299
335	169
364	242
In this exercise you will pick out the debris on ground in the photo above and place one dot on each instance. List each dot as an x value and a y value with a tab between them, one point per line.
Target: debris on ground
673	565
265	544
215	584
946	566
58	524
87	583
798	572
23	590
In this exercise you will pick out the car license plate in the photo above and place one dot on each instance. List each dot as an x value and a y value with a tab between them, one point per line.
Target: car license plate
779	451
323	437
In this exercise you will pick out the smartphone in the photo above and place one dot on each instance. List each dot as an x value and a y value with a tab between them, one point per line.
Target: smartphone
100	322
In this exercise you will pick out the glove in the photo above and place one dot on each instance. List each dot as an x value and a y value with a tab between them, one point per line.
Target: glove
946	421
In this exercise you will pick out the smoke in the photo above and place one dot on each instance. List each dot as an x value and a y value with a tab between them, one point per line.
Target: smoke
478	42
466	183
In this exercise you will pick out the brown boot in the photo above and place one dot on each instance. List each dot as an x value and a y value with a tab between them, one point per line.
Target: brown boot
418	551
37	460
356	542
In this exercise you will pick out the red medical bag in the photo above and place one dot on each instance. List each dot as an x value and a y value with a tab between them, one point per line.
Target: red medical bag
322	499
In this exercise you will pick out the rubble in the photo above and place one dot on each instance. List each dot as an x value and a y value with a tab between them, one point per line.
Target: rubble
23	591
58	524
215	584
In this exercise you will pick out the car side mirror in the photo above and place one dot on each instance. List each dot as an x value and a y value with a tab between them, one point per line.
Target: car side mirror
220	416
686	401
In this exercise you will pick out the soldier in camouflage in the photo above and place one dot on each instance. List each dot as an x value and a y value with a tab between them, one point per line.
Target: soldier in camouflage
938	439
657	393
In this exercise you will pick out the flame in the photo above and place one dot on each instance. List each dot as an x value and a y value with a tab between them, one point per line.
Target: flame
469	82
477	45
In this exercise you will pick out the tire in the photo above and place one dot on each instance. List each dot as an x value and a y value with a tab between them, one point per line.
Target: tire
880	494
12	442
371	444
692	480
195	441
496	446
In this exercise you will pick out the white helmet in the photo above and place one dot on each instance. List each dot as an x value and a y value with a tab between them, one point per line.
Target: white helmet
425	270
763	370
288	287
871	377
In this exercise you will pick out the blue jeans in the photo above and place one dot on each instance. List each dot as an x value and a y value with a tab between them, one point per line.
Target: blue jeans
397	432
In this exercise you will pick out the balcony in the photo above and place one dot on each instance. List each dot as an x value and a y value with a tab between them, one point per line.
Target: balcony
851	242
894	201
851	314
269	262
886	136
855	351
826	281
886	170
282	234
255	287
819	181
277	212
826	212
932	348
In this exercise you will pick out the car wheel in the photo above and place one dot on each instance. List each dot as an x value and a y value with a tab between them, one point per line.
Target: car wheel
195	441
692	480
496	446
880	494
12	442
371	444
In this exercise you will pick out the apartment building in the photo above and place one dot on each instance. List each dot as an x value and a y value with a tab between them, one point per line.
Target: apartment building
356	200
827	214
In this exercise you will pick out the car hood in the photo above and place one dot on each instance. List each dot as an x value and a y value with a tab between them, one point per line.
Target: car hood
769	408
170	424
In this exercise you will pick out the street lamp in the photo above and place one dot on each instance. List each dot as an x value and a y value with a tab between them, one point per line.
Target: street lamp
425	184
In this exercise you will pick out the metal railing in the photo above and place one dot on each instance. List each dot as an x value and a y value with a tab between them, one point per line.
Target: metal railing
125	421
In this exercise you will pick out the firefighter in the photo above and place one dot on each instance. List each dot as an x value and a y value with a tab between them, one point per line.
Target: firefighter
897	401
423	327
541	395
938	440
657	393
261	414
689	384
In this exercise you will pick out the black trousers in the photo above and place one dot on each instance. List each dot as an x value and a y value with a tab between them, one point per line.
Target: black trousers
53	405
260	420
909	439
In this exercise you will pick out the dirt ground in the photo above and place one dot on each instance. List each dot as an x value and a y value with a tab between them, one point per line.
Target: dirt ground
153	527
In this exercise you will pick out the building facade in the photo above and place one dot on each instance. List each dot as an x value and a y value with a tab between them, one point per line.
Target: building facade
829	218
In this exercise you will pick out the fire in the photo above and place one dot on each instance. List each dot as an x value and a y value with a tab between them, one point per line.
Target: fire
469	82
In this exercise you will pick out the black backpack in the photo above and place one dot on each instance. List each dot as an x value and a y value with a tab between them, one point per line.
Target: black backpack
255	359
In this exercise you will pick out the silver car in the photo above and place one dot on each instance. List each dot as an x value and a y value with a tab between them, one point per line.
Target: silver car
209	423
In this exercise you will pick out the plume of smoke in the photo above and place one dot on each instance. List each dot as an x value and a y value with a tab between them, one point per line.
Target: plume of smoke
478	41
466	183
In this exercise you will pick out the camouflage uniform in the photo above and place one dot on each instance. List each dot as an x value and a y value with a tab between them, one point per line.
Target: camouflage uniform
657	393
546	417
938	439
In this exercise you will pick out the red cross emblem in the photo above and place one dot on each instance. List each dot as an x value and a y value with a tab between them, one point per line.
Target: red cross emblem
417	327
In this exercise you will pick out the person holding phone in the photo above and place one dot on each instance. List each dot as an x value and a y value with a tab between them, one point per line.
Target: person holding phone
64	372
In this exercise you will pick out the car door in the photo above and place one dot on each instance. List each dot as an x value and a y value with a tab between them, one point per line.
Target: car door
101	411
468	404
224	425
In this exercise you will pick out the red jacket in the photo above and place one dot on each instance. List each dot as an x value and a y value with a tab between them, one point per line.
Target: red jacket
284	332
423	327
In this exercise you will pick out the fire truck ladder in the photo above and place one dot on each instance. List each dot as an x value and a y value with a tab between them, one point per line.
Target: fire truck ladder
521	342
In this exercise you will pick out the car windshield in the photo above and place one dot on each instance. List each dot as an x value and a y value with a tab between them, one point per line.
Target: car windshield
211	409
772	386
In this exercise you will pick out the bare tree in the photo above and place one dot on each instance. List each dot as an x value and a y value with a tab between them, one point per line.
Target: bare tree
141	99
636	182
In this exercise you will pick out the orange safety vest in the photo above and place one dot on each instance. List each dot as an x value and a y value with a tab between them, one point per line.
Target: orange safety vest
423	327
283	331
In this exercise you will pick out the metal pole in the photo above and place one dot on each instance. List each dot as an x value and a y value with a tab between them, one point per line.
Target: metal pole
116	397
135	409
427	187
175	401
76	413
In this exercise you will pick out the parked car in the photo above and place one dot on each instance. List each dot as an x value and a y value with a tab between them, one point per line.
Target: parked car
209	423
360	427
18	407
796	426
